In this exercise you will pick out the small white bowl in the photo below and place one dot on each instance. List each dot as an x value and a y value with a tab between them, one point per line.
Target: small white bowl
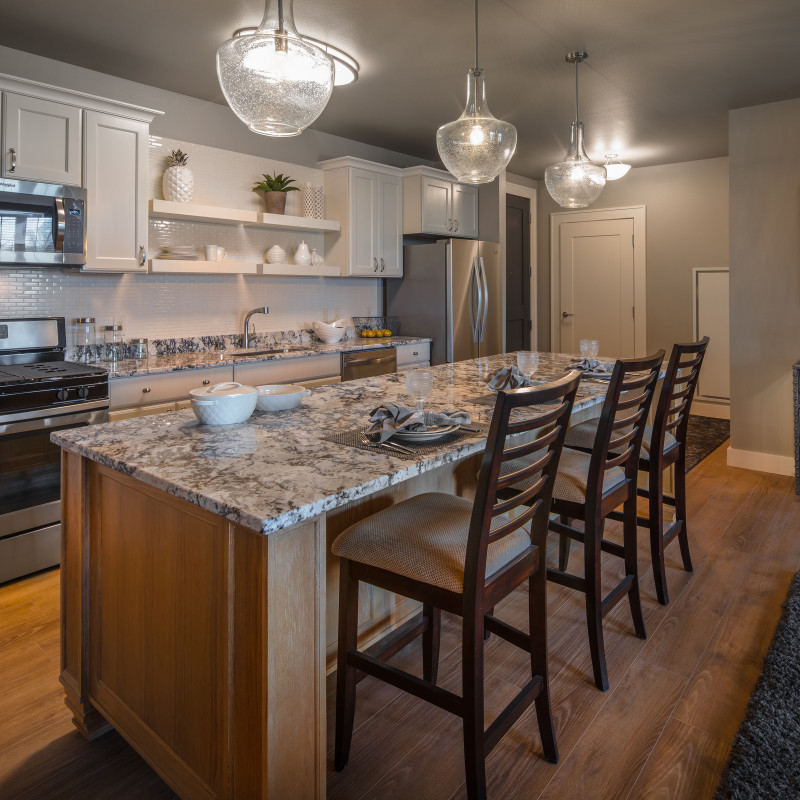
331	333
223	403
280	396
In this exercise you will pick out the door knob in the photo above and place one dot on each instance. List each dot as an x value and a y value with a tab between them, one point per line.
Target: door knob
565	314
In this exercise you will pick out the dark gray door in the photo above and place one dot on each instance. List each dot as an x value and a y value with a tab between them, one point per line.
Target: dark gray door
518	280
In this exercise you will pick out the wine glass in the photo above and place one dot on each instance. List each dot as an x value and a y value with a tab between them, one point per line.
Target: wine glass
419	384
590	348
527	362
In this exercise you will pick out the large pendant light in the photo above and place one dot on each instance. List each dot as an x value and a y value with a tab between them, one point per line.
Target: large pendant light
477	146
276	82
575	182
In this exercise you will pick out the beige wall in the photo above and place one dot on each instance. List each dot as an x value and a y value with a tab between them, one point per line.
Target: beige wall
765	275
687	226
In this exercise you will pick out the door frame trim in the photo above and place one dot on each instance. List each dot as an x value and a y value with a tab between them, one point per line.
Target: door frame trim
530	193
639	216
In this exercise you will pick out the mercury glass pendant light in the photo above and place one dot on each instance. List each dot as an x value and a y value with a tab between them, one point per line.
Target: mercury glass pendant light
575	182
276	82
477	146
615	169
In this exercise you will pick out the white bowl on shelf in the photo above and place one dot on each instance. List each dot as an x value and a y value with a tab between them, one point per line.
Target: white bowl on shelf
224	403
280	396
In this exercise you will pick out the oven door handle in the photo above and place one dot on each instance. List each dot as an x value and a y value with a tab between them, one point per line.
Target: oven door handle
60	224
94	413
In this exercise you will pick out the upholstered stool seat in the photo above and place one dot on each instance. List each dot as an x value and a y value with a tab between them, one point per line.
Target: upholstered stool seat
425	538
583	436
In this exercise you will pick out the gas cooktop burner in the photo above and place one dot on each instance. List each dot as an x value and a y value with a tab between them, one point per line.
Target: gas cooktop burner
47	371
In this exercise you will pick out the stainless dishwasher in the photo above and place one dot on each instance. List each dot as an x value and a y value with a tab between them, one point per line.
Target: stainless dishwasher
369	363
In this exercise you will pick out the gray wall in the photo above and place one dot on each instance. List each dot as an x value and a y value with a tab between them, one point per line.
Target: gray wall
687	227
765	274
193	120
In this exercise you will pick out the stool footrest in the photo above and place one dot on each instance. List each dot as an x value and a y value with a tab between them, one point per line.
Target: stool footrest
616	594
395	641
507	632
511	713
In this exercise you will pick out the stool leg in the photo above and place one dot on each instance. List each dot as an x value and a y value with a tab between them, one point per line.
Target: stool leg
593	533
345	674
537	613
430	642
632	563
680	509
563	546
656	511
472	691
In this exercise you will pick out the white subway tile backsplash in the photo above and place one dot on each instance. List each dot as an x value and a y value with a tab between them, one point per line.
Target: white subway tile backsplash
171	306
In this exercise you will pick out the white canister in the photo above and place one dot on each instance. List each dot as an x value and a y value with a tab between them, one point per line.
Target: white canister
302	256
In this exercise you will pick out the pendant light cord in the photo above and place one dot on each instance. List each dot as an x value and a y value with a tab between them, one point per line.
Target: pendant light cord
577	115
280	16
476	36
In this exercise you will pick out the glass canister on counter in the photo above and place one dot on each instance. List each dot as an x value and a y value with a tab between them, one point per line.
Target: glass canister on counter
84	336
137	349
113	343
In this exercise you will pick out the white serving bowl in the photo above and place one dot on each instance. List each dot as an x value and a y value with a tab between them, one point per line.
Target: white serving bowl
331	333
280	396
224	403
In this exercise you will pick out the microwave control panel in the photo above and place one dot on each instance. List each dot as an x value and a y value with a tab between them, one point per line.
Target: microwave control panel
74	225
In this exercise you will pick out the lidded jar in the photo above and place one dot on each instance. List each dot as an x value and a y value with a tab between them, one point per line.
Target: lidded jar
114	342
85	339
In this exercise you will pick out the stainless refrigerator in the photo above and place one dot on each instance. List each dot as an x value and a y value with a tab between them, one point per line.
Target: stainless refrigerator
452	290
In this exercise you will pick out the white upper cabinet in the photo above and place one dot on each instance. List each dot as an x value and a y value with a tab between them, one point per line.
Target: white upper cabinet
368	200
116	187
41	140
435	204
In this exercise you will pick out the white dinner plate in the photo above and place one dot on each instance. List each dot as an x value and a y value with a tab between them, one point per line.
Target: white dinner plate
433	433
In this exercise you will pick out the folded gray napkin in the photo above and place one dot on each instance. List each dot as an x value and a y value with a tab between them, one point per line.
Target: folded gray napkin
390	418
591	365
509	378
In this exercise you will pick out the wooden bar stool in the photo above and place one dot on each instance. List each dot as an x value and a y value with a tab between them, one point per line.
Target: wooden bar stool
664	444
589	487
449	553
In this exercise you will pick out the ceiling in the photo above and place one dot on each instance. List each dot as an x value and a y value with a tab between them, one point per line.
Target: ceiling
660	78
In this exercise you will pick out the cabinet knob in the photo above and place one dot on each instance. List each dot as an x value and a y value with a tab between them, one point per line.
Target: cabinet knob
13	153
206	382
416	353
142	255
146	390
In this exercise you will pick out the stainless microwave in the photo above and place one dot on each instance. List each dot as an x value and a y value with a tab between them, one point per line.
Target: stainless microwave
42	224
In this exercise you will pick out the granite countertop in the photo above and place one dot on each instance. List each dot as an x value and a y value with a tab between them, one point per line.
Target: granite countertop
275	469
215	358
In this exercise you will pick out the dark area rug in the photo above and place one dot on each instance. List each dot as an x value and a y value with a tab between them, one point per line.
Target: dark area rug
705	435
764	760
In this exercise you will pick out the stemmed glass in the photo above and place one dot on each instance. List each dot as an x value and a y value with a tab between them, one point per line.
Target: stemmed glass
419	384
528	363
590	348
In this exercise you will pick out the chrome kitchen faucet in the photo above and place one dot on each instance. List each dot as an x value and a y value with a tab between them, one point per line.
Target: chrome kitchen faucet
261	310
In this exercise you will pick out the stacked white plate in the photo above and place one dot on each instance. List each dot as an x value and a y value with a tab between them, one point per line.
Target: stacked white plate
331	333
179	253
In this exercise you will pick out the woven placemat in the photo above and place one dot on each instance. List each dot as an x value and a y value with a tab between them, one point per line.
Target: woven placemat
352	438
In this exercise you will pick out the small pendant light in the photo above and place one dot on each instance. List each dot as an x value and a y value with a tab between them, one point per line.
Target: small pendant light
276	82
615	169
575	182
477	146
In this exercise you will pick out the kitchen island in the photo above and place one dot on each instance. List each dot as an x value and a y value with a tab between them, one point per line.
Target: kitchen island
198	594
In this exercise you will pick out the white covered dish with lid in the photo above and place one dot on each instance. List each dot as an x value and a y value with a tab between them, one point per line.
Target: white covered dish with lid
223	403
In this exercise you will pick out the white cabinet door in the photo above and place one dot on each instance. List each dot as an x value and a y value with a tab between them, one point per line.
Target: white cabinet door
115	156
465	211
41	140
364	215
437	213
390	232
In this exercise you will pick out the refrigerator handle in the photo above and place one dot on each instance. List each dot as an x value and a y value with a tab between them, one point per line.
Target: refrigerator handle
475	301
485	293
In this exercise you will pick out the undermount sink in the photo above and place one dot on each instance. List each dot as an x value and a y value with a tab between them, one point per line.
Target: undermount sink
268	352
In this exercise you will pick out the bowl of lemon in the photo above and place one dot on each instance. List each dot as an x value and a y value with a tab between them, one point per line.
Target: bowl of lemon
376	327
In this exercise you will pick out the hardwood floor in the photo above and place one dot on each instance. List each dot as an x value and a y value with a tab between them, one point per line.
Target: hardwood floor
663	730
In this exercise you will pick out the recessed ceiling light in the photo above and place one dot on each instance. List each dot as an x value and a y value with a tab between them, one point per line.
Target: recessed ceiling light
345	66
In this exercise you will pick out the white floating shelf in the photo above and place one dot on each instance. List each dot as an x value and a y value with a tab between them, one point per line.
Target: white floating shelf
168	209
204	267
295	271
297	223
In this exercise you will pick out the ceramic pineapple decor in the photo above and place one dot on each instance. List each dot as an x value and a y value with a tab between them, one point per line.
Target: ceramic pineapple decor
178	181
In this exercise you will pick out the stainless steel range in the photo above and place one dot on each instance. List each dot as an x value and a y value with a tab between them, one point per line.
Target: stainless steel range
40	392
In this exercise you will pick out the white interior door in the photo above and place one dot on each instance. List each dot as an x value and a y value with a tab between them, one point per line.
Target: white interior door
597	292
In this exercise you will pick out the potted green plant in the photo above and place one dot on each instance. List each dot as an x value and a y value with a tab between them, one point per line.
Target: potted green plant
274	188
